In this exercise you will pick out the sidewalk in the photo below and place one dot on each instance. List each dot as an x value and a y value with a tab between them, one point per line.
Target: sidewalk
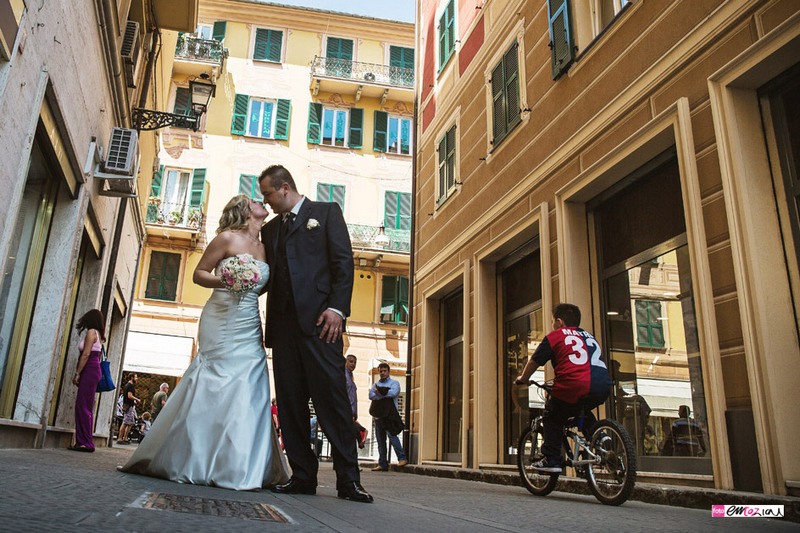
678	496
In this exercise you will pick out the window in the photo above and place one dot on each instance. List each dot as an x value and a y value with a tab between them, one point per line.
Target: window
339	57
259	117
447	164
327	192
399	136
162	278
605	11
397	210
248	184
267	46
174	195
204	31
401	65
447	39
505	95
649	327
335	127
562	46
183	101
394	300
392	134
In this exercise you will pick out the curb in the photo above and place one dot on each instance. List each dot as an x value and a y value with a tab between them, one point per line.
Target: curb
678	496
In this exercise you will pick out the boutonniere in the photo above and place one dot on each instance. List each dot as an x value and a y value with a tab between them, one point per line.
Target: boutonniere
312	223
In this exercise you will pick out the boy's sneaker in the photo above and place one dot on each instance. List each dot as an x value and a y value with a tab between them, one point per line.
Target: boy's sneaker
544	465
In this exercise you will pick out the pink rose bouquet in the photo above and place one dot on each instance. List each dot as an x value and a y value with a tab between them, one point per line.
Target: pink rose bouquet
239	273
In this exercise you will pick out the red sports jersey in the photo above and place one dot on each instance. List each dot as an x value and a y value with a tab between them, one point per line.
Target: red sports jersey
576	358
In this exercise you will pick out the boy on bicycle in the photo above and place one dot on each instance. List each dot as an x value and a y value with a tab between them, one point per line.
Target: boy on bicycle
581	380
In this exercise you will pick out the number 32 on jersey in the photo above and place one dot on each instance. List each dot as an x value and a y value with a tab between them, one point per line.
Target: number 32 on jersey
579	355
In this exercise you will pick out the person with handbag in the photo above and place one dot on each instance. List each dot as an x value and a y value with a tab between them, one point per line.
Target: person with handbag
87	376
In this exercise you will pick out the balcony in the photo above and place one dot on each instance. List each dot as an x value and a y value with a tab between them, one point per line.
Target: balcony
362	79
195	56
175	220
364	237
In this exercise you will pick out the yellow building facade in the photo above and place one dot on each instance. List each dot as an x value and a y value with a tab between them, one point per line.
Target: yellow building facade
636	158
327	95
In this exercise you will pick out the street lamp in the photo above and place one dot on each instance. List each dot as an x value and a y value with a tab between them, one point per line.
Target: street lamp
202	89
381	240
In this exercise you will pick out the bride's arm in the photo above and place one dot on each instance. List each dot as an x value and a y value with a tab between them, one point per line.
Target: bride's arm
215	252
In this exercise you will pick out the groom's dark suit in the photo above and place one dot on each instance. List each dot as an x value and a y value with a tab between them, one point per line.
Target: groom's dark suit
311	270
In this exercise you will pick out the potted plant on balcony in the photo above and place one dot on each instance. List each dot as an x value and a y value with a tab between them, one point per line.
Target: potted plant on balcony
175	217
194	217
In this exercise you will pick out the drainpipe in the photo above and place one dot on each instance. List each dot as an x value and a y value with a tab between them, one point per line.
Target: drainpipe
110	34
409	336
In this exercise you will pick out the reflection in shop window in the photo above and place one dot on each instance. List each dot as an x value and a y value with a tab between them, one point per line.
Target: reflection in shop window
649	327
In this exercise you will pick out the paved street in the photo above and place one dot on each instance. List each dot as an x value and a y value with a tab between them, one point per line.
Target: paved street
49	490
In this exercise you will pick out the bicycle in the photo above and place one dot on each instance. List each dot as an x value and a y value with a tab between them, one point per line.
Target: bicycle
607	460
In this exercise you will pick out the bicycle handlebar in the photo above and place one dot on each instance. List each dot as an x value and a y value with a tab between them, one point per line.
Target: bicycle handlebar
544	386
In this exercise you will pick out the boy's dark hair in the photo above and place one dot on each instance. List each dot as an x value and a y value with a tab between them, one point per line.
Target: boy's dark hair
384	365
278	175
570	314
93	319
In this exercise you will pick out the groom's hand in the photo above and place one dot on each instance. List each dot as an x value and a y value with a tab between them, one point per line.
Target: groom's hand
331	326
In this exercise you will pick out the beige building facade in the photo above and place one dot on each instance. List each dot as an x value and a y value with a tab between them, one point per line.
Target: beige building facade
70	230
639	159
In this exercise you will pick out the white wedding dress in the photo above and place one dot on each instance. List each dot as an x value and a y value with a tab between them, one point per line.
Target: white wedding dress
216	427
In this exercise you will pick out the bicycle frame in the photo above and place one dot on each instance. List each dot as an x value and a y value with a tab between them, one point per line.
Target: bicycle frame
573	444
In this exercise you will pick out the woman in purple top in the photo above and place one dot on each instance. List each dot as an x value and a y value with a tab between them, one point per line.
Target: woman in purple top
87	375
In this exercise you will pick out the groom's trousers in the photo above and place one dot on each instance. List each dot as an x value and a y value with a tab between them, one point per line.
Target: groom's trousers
307	367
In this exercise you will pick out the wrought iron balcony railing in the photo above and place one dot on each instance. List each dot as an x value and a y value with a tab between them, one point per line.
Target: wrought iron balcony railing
363	236
362	72
170	214
196	49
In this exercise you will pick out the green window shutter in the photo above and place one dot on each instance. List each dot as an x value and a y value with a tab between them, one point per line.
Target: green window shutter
390	210
239	121
401	314
323	192
337	195
561	44
261	47
218	33
248	184
183	101
198	187
162	278
356	127
274	46
388	298
314	123
451	157
404	218
442	40
282	119
451	28
442	167
155	186
401	57
380	135
338	48
447	37
511	88
498	105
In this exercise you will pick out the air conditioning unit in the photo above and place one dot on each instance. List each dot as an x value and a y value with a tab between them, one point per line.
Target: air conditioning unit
130	51
123	150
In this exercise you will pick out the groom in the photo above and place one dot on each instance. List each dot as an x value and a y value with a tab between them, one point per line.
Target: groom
311	283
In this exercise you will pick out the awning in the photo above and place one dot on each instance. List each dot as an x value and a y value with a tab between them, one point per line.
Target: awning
157	354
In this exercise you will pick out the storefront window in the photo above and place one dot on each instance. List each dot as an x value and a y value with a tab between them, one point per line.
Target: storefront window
650	328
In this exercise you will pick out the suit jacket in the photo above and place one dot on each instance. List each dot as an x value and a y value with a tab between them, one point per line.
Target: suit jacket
320	259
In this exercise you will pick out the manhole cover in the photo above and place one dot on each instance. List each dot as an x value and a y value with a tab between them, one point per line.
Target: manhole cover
213	507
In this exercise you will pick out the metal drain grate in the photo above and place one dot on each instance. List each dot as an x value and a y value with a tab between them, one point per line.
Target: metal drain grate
213	507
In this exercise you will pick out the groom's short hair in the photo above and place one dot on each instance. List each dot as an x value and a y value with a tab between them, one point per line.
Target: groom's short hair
278	175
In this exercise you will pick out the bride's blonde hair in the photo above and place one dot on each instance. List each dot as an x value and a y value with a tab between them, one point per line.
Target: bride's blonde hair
235	214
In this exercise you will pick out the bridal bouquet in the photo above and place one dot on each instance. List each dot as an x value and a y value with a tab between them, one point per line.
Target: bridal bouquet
239	274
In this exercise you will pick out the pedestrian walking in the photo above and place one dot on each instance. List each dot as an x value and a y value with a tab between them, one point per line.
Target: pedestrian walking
87	375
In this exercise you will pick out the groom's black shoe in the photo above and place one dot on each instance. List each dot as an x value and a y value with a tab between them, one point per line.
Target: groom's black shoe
353	490
295	486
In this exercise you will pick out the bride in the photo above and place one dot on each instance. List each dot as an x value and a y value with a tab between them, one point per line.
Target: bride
216	428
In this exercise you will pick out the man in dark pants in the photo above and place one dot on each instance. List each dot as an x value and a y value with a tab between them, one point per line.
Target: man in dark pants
311	283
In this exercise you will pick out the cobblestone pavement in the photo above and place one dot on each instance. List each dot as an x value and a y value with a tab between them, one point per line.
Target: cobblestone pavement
59	490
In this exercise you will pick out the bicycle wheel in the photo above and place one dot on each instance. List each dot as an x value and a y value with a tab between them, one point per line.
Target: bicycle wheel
612	480
529	451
